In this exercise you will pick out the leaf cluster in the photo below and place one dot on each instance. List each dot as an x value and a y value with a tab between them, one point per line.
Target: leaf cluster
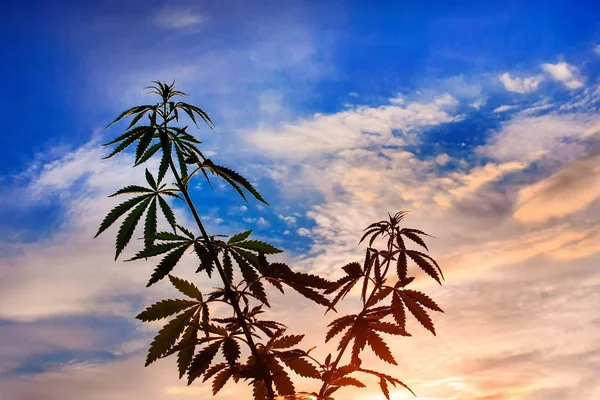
245	345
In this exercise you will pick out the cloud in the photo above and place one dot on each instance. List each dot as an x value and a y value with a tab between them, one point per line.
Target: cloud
565	73
355	128
530	138
571	189
597	49
520	85
177	18
503	108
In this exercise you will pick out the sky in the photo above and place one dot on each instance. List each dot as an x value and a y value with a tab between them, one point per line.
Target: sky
481	118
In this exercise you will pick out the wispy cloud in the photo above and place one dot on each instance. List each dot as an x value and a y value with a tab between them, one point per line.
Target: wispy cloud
176	18
504	108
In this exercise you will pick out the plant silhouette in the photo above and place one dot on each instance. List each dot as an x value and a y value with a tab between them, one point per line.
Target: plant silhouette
245	345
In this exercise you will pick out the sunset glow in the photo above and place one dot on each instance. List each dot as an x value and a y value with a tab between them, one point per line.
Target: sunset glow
482	120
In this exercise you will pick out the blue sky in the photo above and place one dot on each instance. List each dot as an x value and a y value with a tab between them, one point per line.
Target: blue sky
481	118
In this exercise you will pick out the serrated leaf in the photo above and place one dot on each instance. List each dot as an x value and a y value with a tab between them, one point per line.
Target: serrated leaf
168	335
128	226
150	224
359	332
419	313
213	370
380	295
231	176
302	367
330	391
342	293
429	258
167	212
353	269
286	341
152	150
185	355
185	287
220	380
119	210
281	379
202	361
143	145
206	262
384	388
164	309
125	144
423	299
415	239
312	295
338	325
402	265
387	327
167	264
239	237
348	381
251	278
259	391
398	311
150	180
231	350
164	161
125	135
257	245
227	266
182	164
131	111
380	348
187	232
424	265
169	236
311	280
131	189
156	250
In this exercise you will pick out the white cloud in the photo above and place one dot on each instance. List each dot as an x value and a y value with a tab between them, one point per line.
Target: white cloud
597	49
356	128
530	138
520	85
176	18
288	219
504	108
565	73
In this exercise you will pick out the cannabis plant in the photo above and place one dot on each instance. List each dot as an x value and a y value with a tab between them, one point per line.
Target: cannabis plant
244	345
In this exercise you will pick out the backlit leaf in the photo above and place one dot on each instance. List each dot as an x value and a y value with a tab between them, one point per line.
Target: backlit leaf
167	264
185	287
168	335
164	309
128	226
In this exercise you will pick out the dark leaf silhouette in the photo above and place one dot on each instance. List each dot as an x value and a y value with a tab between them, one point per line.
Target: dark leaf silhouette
380	348
220	380
168	335
185	287
302	367
164	309
167	264
201	361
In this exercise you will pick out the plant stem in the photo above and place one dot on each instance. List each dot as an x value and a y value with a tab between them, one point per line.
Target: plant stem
366	306
227	285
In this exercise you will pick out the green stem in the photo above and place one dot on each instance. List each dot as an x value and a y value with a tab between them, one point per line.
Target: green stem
227	285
